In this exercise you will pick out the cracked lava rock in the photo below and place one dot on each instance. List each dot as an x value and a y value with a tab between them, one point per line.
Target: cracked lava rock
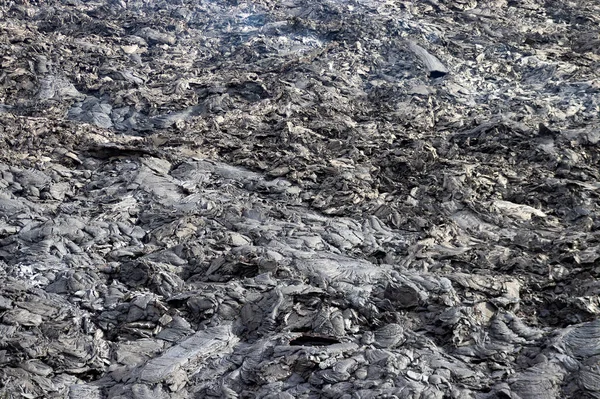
299	199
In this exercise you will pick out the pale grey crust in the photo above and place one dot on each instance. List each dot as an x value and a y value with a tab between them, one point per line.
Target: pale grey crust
299	199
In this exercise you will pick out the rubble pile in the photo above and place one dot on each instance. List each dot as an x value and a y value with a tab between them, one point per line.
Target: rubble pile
299	199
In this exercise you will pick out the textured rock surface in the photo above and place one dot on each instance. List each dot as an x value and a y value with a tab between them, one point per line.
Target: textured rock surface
299	199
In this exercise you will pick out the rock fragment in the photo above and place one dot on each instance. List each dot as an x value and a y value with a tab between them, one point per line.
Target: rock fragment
433	65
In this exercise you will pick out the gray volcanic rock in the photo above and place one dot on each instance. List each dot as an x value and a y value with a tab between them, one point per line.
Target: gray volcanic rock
299	199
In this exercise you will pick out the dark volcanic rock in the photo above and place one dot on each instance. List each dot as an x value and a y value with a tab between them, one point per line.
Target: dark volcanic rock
299	199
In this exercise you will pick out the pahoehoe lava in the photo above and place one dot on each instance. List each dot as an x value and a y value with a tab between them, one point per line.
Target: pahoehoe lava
299	199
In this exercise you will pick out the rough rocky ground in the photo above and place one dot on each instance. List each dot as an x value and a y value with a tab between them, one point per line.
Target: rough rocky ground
299	199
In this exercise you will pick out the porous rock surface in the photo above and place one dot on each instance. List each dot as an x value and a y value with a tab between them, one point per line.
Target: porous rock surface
299	199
